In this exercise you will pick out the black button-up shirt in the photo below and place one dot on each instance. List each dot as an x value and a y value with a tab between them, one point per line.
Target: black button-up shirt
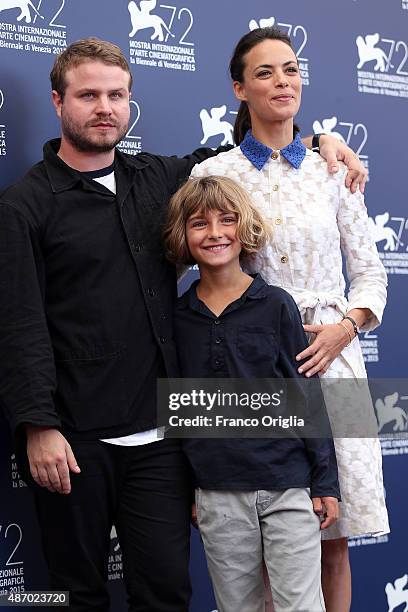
257	336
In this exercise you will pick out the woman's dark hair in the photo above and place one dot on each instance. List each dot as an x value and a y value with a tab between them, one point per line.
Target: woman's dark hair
237	66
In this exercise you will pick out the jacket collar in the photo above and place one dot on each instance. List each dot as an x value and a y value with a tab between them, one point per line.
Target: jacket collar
258	153
62	177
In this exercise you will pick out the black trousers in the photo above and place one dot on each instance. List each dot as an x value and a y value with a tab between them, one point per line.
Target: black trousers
145	491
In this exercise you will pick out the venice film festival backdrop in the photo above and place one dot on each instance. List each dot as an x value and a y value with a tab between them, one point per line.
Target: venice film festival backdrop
353	57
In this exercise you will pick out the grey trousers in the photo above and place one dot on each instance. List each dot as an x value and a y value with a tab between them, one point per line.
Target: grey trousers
240	529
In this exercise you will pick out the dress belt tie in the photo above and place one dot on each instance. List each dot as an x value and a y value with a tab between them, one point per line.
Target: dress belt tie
320	308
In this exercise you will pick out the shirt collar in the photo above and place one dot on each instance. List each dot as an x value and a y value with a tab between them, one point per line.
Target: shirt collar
256	290
258	153
63	178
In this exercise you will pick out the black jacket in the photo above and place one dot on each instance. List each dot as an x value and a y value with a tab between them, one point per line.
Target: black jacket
86	295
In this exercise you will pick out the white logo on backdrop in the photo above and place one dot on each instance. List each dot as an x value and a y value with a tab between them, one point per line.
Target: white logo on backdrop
115	563
327	126
392	417
213	126
380	232
355	135
397	594
35	32
132	142
357	541
391	230
388	412
292	30
169	45
263	23
12	571
24	6
135	116
114	536
370	347
3	136
387	60
368	52
16	480
142	19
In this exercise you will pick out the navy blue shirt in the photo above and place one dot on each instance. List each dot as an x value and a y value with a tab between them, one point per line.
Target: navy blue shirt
256	336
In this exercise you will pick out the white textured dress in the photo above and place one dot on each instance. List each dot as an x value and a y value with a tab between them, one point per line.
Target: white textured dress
315	219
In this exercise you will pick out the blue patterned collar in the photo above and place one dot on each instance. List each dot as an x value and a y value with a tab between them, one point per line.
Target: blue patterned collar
258	153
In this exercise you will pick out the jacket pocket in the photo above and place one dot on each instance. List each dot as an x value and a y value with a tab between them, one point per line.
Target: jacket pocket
91	392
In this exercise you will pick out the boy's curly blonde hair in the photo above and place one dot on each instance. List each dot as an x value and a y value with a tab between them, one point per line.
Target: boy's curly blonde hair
212	193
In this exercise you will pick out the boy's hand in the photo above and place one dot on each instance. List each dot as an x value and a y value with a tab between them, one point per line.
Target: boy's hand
194	516
328	508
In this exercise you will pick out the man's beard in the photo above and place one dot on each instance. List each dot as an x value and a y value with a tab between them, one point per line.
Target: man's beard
76	135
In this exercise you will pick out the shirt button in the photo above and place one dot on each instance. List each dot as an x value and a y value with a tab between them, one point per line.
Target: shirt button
218	340
275	155
137	248
278	221
217	362
217	321
284	259
275	188
162	339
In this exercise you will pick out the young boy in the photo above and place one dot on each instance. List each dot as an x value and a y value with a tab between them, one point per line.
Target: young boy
257	499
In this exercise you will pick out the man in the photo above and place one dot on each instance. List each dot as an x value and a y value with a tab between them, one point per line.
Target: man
86	316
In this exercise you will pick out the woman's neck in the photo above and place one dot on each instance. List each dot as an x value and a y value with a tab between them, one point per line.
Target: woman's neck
275	135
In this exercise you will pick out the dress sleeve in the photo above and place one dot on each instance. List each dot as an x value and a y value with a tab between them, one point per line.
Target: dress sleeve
366	273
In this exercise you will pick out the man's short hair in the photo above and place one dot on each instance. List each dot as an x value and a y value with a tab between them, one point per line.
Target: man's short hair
85	50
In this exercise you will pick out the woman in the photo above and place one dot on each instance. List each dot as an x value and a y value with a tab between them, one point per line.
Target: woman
315	220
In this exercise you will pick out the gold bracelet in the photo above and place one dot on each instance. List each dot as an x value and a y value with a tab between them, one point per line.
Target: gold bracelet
347	330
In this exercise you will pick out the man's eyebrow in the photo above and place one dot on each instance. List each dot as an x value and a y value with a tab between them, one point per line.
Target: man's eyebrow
95	89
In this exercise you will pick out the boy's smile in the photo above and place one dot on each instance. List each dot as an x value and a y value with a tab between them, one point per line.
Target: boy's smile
216	248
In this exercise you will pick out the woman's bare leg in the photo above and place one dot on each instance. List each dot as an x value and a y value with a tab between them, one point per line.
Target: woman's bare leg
336	575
